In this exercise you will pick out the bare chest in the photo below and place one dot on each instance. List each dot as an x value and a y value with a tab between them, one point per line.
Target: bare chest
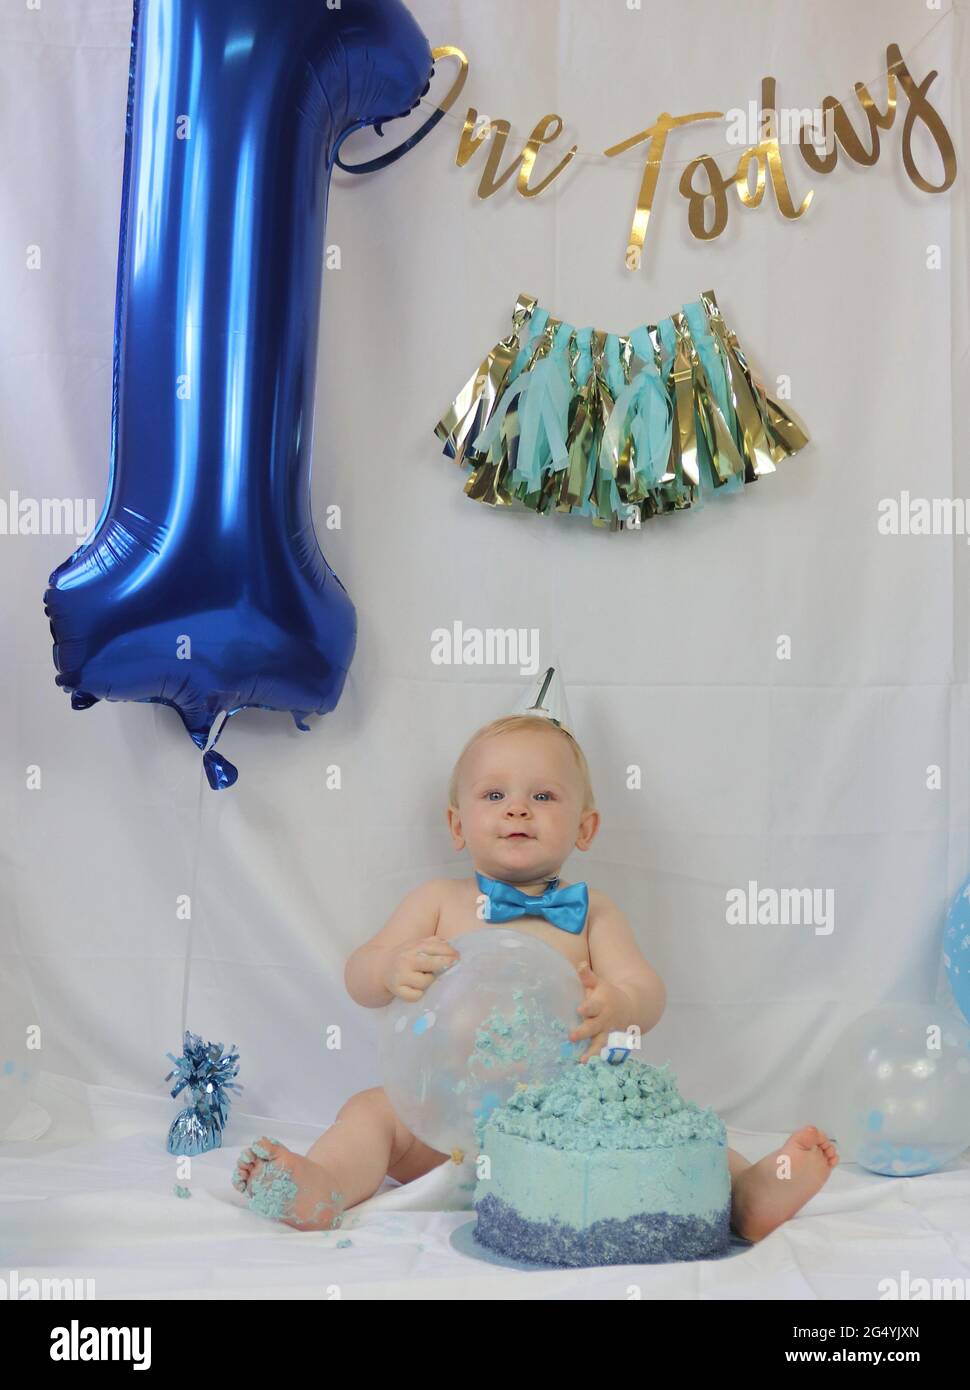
459	914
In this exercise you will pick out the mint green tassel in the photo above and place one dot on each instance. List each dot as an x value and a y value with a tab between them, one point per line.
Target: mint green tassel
643	413
536	407
543	421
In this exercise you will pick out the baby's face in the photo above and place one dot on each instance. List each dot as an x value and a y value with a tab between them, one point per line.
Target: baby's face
520	806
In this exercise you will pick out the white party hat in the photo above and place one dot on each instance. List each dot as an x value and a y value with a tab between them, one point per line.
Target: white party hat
547	697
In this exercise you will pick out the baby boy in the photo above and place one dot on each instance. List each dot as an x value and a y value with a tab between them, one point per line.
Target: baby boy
520	800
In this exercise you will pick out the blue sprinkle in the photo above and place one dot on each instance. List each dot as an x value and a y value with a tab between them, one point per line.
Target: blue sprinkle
643	1239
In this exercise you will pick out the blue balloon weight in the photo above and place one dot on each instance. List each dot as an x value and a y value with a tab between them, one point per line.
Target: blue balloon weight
956	948
202	585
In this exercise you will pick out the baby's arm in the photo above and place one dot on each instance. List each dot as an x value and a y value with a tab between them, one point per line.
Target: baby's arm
623	990
405	956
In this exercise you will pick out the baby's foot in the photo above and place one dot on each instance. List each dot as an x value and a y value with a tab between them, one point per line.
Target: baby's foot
287	1187
772	1190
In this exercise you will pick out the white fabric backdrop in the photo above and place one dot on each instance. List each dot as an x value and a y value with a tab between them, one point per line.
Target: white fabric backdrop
806	773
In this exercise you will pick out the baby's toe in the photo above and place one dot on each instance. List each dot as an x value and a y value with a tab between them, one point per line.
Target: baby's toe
267	1149
245	1166
241	1175
807	1137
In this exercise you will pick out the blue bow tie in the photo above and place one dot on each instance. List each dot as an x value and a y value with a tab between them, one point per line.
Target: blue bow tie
563	907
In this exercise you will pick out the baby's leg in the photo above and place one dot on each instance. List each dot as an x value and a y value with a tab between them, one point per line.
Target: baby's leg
766	1193
346	1165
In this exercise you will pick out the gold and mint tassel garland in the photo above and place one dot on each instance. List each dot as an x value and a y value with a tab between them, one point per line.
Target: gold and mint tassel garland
616	427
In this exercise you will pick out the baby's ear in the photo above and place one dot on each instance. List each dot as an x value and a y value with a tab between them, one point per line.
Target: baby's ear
588	826
453	821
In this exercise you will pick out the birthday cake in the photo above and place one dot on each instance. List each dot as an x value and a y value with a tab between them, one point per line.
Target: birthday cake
607	1164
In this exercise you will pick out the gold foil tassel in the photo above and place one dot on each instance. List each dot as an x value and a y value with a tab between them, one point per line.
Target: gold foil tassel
768	432
726	462
472	407
587	420
684	441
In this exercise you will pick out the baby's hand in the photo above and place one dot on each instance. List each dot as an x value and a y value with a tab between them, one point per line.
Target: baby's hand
606	1009
412	968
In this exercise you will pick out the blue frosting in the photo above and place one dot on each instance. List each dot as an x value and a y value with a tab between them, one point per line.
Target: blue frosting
596	1105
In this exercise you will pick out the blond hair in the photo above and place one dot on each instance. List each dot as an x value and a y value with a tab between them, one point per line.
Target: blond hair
534	723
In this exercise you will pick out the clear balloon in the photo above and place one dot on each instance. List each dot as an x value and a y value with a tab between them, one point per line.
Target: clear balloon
897	1090
18	1063
500	1016
956	948
203	585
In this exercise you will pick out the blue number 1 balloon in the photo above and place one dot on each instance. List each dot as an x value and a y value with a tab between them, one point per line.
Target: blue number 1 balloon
202	586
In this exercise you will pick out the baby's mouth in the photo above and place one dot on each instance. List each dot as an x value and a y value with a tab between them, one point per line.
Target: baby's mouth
518	835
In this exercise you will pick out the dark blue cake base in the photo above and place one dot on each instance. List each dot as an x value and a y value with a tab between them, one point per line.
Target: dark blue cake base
652	1238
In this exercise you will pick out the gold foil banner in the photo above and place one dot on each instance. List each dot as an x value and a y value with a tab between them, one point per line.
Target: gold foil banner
708	207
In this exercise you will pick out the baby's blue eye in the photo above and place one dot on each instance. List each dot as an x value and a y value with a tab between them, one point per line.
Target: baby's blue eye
489	795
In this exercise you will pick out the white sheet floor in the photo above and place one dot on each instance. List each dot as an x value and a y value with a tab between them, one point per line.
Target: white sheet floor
93	1199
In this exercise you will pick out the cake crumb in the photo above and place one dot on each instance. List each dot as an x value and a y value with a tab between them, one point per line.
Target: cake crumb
458	1155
